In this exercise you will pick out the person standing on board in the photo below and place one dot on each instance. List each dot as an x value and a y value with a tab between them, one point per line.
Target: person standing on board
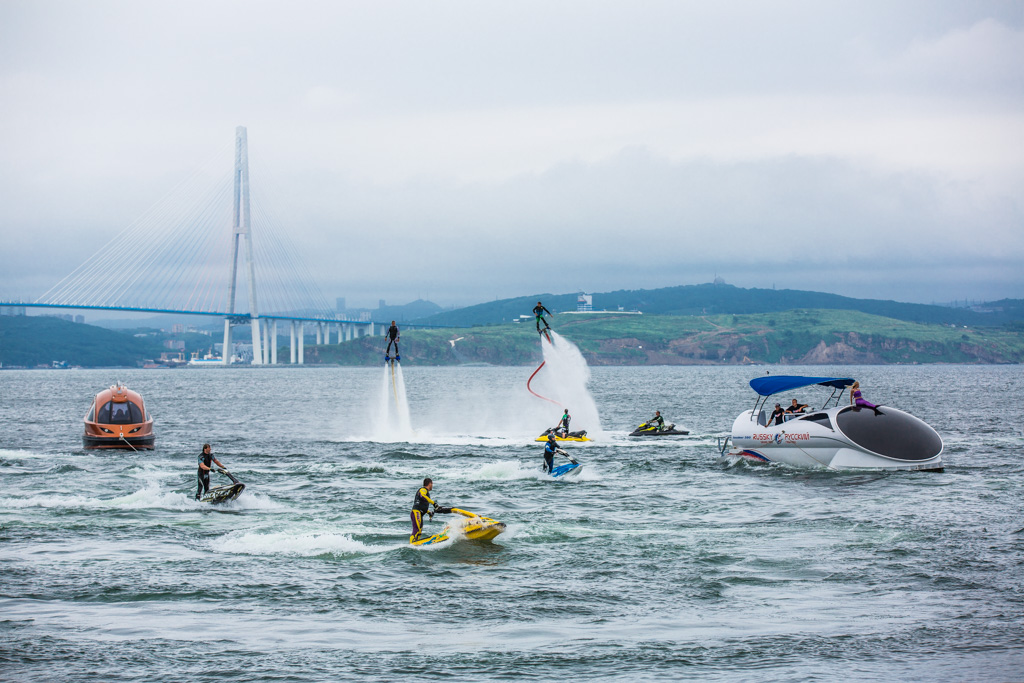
205	458
392	336
539	312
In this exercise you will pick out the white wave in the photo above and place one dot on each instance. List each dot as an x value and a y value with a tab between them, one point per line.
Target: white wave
297	544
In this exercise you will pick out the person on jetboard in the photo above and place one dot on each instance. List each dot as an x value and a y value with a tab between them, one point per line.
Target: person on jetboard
392	336
563	425
420	505
205	459
550	448
539	312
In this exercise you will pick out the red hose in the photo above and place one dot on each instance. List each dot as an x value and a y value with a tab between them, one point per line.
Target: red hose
534	392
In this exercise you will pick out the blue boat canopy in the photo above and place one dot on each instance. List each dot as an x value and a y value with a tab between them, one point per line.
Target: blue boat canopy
774	384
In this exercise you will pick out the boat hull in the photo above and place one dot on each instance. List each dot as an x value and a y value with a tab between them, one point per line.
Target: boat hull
845	438
128	442
473	528
573	436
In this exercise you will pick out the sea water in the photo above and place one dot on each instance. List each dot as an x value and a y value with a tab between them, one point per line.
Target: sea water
663	561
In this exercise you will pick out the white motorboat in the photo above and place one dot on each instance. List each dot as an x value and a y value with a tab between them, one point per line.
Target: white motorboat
838	437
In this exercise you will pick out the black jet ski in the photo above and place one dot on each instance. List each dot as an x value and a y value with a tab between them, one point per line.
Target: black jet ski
648	429
223	494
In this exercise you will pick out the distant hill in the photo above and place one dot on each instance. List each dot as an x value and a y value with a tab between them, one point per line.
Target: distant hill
804	336
38	340
719	299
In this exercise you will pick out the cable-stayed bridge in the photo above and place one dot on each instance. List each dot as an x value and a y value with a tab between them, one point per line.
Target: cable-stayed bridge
209	248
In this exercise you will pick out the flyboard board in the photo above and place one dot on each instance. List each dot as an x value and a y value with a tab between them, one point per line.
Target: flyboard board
223	494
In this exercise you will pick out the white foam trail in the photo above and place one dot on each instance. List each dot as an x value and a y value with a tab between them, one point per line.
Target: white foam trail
308	544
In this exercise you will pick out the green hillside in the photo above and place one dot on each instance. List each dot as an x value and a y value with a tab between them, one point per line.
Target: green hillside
721	299
28	341
797	337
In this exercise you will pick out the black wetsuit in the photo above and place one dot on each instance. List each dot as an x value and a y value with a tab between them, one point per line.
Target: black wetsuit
549	455
420	505
392	339
204	475
539	311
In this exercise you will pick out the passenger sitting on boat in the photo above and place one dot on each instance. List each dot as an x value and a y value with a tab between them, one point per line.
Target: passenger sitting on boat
857	400
796	408
658	422
205	458
420	505
778	415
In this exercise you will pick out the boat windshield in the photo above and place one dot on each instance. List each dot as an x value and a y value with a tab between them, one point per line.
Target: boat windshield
119	413
890	432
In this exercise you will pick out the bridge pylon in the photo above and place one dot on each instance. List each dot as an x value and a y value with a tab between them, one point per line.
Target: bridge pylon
241	228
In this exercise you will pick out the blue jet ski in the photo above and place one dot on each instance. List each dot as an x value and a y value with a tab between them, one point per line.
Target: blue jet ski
569	469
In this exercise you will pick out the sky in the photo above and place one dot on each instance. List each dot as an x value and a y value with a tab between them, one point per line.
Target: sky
468	151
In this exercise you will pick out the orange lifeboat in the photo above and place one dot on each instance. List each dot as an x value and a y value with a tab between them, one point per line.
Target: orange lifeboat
117	418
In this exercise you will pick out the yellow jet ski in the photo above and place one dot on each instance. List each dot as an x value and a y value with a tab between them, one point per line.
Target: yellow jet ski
474	528
571	436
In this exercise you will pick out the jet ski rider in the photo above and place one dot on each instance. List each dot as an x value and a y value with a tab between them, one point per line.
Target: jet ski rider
658	422
563	424
539	312
392	336
419	508
550	448
205	458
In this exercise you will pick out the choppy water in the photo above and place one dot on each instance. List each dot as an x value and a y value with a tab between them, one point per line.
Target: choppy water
662	562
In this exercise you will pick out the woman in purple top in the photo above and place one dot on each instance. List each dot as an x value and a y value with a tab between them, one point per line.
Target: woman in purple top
857	400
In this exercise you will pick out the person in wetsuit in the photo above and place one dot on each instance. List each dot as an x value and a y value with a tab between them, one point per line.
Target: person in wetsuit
539	312
658	422
420	504
563	424
778	415
550	448
392	336
205	460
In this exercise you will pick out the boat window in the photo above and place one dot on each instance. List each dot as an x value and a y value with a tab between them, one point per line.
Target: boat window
92	412
120	414
820	418
761	419
890	432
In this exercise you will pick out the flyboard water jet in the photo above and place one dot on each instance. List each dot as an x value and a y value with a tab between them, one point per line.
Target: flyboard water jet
564	382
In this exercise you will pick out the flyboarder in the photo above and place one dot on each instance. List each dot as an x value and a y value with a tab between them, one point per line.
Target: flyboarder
539	312
392	336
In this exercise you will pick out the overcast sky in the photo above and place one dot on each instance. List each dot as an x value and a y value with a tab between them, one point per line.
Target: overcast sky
467	151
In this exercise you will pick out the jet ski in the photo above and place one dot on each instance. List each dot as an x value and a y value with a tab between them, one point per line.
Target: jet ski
223	494
474	528
567	471
648	429
571	436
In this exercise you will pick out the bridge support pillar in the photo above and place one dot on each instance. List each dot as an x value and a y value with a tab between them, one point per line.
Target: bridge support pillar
294	359
257	348
225	352
273	340
302	342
